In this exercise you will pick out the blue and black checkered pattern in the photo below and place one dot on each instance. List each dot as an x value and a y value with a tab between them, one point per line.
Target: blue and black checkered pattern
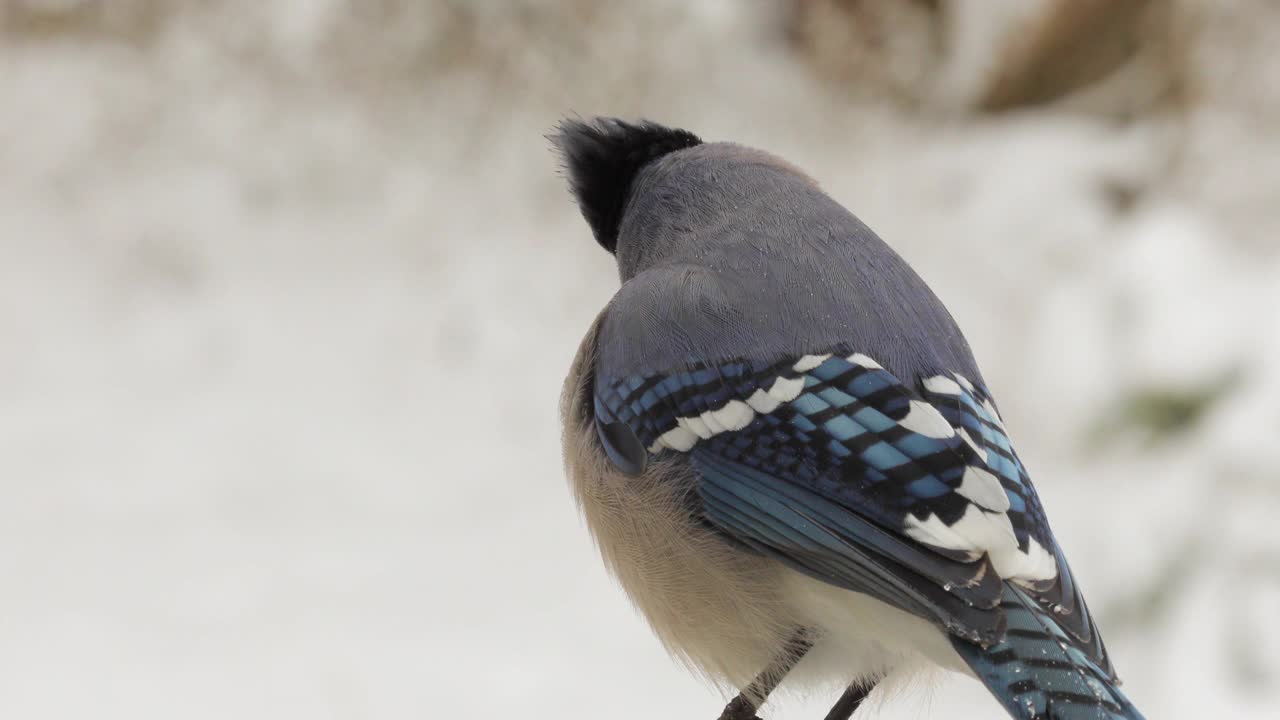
841	436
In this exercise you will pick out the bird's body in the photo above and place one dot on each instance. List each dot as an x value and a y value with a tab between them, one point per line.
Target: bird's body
775	429
725	612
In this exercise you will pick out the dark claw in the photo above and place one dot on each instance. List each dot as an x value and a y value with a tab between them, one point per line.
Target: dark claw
739	708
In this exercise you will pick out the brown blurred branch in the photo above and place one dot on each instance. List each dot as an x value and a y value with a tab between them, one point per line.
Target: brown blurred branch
1073	43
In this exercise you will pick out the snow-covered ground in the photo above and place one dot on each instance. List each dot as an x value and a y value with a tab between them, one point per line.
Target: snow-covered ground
281	340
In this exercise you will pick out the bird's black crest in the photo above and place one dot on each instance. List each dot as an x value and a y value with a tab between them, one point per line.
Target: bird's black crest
602	157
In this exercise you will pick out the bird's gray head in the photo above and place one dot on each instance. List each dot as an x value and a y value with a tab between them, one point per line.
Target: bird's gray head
644	188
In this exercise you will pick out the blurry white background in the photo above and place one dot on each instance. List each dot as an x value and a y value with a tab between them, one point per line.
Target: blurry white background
287	291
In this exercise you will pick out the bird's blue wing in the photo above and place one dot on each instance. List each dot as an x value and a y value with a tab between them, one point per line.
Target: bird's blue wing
909	493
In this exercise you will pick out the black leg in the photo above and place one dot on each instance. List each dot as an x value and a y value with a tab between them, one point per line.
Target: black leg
744	706
848	703
739	708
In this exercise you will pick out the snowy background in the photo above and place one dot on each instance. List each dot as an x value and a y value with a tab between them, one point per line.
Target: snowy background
287	291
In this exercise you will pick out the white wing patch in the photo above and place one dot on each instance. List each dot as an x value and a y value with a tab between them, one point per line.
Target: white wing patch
786	389
932	531
990	531
809	362
983	488
733	415
762	402
923	418
981	451
696	426
677	438
864	361
942	385
978	532
1036	564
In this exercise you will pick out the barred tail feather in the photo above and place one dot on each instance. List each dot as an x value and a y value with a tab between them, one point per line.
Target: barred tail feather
1038	673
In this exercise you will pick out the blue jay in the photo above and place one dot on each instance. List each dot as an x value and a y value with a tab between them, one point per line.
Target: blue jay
785	451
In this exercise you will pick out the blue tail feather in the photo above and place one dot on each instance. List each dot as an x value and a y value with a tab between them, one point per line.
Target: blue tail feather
1038	673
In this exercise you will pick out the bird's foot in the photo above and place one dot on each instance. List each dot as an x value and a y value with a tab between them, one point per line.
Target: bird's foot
739	708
